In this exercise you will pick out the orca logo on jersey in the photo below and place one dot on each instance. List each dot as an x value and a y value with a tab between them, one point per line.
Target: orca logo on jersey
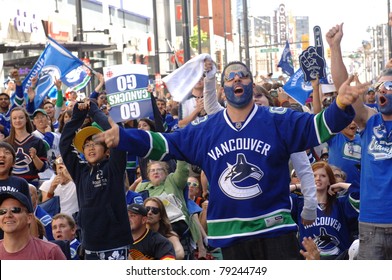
22	161
241	180
380	146
326	243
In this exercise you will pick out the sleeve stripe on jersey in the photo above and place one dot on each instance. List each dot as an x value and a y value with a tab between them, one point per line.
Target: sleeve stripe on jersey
159	147
46	144
150	139
323	132
354	203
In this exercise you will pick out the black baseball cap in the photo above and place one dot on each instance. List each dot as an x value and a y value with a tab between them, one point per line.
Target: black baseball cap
137	209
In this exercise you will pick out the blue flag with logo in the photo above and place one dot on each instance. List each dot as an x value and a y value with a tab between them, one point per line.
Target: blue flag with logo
297	88
54	62
286	61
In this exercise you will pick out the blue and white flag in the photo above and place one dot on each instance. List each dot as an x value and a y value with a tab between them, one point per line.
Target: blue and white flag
286	61
297	88
300	90
77	79
54	62
126	89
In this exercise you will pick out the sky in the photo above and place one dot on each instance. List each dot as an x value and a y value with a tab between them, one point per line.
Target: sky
356	16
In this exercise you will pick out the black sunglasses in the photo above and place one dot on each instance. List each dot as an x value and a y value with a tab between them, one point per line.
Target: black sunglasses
154	210
14	210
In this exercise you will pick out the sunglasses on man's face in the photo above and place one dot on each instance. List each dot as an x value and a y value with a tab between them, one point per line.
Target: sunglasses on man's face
14	210
154	210
240	74
386	85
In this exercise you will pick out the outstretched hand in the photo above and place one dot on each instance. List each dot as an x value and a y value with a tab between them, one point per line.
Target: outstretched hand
348	94
111	137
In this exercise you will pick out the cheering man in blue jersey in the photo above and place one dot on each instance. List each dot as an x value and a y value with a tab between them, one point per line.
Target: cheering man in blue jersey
375	212
244	152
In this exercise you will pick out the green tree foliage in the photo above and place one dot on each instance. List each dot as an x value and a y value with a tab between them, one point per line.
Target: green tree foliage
194	38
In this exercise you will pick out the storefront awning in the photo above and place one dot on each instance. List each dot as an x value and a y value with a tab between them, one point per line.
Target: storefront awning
71	46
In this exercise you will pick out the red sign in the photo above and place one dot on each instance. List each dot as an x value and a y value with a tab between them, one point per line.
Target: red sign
179	12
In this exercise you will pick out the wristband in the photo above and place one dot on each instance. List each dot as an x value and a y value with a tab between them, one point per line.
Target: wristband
340	104
50	195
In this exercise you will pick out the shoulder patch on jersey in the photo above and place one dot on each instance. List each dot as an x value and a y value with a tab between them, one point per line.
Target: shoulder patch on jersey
199	120
278	110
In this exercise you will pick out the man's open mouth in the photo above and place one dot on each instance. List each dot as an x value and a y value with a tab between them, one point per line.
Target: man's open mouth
238	90
382	100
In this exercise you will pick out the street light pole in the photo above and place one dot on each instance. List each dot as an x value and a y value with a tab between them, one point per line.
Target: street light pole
239	38
79	25
224	30
246	32
389	32
185	28
156	41
198	26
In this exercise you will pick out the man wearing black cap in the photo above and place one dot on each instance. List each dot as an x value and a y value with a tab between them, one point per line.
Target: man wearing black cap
147	244
16	217
244	150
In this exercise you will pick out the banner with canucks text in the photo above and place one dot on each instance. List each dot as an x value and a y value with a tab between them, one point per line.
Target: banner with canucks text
126	88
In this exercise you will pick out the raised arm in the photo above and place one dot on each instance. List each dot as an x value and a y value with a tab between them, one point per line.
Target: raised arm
211	104
338	69
59	99
316	96
339	74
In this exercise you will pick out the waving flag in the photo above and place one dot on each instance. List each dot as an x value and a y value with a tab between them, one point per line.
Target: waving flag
54	62
286	61
300	90
297	88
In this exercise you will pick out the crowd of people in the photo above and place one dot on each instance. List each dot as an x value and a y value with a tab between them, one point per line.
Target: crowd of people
237	170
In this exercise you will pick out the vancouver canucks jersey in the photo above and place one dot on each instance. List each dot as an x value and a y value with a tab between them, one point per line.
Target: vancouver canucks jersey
346	154
330	232
246	165
376	181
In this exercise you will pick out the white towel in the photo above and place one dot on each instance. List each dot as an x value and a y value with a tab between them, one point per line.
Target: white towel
181	81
